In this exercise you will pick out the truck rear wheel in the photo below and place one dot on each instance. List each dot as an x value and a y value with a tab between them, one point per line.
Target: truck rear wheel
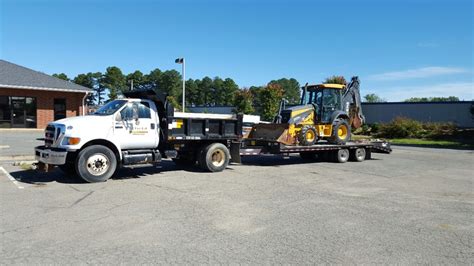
214	157
357	155
96	163
341	156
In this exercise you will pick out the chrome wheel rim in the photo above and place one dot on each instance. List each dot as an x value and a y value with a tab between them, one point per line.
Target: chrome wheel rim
97	164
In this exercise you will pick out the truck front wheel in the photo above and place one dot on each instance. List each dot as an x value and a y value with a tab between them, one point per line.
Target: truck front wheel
96	163
214	157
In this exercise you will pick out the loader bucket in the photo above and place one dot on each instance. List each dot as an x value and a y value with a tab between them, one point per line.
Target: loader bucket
272	132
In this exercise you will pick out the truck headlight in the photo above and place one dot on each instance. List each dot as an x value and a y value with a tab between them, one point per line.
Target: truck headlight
71	141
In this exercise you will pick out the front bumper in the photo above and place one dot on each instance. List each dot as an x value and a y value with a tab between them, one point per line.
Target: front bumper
48	155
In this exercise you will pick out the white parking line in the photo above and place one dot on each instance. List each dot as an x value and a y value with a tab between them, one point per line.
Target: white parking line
17	184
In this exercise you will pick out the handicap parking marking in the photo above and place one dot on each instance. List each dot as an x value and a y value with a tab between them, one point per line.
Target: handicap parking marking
14	181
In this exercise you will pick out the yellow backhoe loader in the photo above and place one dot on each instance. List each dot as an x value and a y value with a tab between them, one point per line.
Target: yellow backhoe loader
326	112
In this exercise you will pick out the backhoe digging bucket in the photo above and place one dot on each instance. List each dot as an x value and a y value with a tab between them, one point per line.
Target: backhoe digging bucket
272	132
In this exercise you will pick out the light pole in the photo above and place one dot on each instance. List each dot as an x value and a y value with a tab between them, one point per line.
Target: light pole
183	64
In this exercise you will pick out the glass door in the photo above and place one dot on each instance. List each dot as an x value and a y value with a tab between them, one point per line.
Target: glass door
18	111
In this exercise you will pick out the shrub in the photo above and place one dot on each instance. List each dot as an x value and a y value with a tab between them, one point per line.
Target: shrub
400	127
438	130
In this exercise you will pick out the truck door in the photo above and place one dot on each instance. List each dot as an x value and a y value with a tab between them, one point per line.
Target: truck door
135	126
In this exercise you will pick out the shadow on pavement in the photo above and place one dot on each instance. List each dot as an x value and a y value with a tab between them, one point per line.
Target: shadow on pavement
39	178
132	172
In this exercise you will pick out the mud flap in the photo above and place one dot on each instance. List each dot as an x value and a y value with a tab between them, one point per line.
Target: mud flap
235	152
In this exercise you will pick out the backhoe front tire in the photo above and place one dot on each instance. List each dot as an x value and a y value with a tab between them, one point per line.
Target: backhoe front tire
214	157
307	135
341	132
96	163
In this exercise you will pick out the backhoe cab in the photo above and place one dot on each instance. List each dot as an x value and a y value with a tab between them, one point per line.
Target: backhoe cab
326	111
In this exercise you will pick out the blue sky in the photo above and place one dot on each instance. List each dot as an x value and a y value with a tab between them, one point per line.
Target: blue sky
399	49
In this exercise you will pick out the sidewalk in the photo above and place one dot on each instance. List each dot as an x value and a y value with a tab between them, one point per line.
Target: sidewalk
18	144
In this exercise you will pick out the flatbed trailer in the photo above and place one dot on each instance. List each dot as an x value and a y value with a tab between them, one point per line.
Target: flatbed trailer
354	150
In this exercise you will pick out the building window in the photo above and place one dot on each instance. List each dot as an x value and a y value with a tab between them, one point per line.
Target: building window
17	112
5	112
59	109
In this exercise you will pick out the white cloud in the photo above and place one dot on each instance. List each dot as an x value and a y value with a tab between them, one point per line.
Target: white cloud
462	90
424	72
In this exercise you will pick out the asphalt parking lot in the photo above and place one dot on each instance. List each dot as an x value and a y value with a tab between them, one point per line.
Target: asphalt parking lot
413	206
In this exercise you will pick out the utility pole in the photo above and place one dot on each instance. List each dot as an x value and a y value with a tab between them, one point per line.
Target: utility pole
131	84
183	69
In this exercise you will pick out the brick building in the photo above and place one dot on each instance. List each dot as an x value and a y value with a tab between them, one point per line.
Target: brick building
31	99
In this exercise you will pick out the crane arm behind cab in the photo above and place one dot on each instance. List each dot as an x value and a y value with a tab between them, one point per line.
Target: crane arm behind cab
352	103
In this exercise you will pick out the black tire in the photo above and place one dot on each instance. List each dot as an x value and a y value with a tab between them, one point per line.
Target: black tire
341	156
310	156
214	157
341	132
307	135
96	163
357	155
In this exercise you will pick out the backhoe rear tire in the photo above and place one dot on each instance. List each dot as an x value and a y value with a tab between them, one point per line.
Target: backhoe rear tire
341	132
307	135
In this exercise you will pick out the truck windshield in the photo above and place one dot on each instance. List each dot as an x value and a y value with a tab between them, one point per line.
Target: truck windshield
110	107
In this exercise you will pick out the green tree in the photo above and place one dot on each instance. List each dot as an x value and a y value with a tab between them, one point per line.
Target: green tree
192	96
205	89
373	98
61	76
114	81
335	80
256	96
170	83
243	100
291	89
270	98
91	80
217	91
433	99
152	79
138	80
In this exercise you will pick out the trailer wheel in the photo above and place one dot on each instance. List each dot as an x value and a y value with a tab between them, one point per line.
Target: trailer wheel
214	157
307	135
357	155
341	132
342	155
310	156
96	163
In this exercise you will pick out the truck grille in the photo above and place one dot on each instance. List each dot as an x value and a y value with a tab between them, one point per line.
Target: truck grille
50	135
